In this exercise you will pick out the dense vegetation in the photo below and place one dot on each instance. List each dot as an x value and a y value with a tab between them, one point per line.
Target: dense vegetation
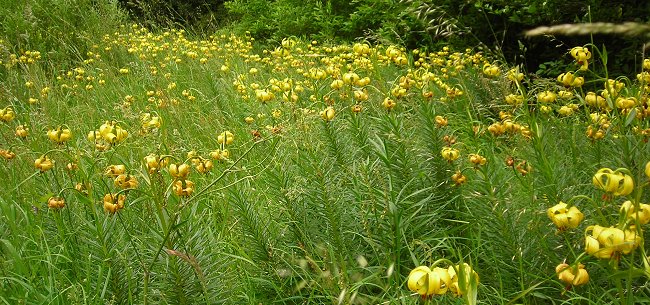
497	24
159	162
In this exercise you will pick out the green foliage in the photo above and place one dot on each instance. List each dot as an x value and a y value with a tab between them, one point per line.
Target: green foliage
416	23
195	14
412	23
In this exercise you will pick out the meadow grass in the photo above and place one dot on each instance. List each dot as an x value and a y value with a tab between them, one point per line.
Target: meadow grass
314	174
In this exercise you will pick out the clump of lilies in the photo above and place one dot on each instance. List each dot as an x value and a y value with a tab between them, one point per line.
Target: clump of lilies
110	133
223	139
460	279
609	242
613	241
182	186
59	135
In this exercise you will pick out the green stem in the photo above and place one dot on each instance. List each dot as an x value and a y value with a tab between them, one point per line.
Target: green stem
613	264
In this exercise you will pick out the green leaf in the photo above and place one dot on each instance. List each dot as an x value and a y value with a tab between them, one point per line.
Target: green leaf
630	117
45	197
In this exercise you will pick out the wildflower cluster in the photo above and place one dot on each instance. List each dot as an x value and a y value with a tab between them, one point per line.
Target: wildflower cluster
603	242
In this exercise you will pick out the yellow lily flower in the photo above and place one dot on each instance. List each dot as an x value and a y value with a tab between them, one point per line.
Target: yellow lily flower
464	282
56	203
179	171
328	113
183	187
202	165
126	181
337	84
220	155
22	131
546	97
592	99
418	280
574	276
59	135
568	79
154	163
449	154
491	70
609	242
7	114
428	282
514	99
225	137
514	75
563	217
8	155
477	159
114	203
615	182
582	56
642	214
115	170
458	178
388	103
44	163
350	78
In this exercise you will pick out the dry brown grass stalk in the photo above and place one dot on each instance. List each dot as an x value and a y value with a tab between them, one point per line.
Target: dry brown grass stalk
626	29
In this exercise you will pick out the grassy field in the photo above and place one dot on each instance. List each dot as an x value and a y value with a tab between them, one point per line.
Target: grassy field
162	168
